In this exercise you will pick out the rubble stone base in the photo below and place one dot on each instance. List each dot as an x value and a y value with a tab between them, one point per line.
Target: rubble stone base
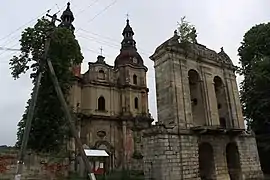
171	154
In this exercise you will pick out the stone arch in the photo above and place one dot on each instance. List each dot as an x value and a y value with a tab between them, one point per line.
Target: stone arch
196	97
135	79
233	161
206	161
221	101
105	145
101	103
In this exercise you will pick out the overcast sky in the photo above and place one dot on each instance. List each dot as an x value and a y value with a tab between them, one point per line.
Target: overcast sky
99	23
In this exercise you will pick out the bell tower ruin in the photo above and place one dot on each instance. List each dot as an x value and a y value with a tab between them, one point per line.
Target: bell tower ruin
200	133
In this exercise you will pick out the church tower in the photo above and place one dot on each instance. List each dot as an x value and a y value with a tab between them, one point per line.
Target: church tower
131	74
200	132
67	19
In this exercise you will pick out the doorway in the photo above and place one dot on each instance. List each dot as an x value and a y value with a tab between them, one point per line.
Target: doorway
206	161
233	161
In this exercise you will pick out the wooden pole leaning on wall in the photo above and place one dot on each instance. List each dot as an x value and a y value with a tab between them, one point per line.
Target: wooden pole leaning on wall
68	116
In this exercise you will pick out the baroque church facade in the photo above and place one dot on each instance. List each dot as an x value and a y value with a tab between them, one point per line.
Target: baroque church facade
113	104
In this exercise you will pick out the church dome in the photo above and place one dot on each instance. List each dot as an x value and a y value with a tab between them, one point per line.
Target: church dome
129	57
128	52
67	13
67	18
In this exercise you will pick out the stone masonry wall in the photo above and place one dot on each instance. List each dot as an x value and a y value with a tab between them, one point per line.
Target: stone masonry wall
249	158
247	148
161	157
169	155
38	167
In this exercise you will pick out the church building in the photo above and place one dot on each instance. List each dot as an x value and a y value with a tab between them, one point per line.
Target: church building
112	101
200	132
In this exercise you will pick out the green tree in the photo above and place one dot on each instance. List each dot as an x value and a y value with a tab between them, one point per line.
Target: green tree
254	55
49	128
187	31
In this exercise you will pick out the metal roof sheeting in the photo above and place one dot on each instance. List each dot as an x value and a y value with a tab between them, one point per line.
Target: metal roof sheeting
95	153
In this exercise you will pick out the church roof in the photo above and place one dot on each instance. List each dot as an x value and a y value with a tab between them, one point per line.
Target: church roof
100	61
128	52
67	18
195	49
128	29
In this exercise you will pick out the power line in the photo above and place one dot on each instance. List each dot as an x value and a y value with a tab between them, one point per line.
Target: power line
105	37
8	41
8	49
94	2
112	40
109	44
5	50
105	9
20	27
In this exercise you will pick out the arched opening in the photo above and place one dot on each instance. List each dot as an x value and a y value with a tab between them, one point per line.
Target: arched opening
233	161
101	74
206	161
136	103
196	97
101	103
107	162
221	101
135	79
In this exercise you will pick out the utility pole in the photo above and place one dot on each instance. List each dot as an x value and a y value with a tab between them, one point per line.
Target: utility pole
31	110
61	98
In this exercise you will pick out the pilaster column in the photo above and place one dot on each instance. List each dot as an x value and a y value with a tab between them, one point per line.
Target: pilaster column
238	106
205	101
231	103
212	100
143	101
124	129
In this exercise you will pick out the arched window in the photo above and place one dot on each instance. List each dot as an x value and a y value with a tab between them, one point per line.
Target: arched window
221	101
101	103
101	74
136	103
134	79
196	98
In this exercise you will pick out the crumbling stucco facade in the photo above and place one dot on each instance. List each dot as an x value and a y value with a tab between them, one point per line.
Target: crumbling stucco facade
112	105
200	132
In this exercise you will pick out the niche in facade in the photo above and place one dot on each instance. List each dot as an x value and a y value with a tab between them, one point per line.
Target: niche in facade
101	134
197	101
101	74
221	101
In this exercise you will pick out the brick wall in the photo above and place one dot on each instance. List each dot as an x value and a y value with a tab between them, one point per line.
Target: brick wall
37	166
